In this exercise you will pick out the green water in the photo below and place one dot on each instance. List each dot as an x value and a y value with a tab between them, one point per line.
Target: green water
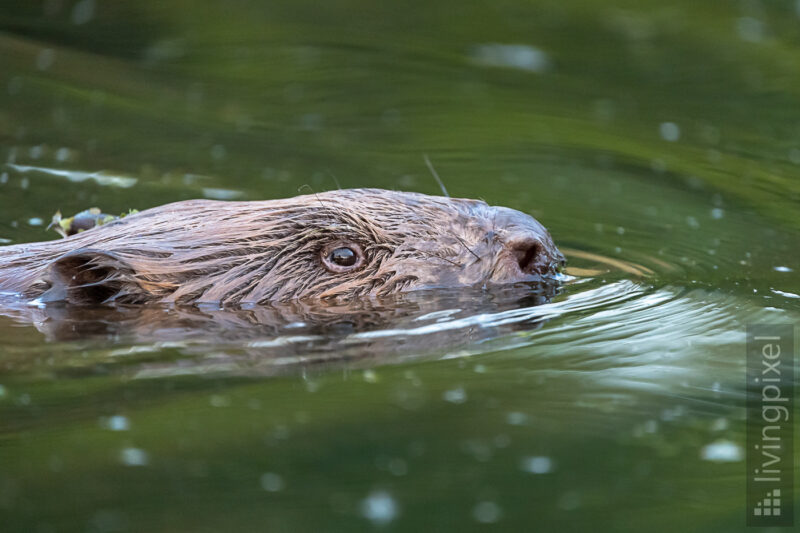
660	144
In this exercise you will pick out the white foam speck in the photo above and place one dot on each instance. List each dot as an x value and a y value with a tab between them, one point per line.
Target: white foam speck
221	194
83	12
45	59
379	507
271	482
519	56
722	451
458	395
117	423
516	418
782	269
750	29
487	512
537	464
134	457
669	131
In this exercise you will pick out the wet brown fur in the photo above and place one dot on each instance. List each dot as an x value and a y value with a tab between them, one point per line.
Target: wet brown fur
255	252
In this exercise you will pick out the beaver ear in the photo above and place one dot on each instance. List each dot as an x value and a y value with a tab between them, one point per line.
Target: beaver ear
87	276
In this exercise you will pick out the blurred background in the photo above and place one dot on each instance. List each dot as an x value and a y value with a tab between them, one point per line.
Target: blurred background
658	141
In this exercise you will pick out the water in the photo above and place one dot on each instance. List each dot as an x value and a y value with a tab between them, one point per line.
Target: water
659	144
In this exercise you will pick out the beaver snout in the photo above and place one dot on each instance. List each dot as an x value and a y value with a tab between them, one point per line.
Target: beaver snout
529	256
527	248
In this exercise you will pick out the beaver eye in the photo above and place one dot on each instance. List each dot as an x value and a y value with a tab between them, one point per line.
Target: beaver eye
342	257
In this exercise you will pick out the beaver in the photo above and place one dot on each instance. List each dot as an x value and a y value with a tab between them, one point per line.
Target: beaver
341	244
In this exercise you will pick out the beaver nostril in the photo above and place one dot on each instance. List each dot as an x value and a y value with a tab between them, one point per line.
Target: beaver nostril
526	255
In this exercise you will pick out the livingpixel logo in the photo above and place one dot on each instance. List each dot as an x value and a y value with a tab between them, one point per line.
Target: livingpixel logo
770	425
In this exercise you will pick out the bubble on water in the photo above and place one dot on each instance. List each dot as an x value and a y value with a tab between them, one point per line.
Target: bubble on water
63	154
519	56
398	467
35	221
479	369
108	520
379	507
782	269
458	395
658	165
218	152
271	482
83	12
620	230
719	424
479	450
134	457
221	194
669	131
651	426
35	152
370	376
538	464
117	423
692	222
487	512
717	213
722	451
311	122
165	50
515	418
218	400
750	29
45	58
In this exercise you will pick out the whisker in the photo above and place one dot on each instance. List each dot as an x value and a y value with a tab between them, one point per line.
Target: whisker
435	175
467	247
332	175
299	189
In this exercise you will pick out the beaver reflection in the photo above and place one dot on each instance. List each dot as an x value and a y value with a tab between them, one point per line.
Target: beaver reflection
371	331
338	245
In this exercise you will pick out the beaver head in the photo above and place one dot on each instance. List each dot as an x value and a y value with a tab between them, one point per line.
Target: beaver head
339	244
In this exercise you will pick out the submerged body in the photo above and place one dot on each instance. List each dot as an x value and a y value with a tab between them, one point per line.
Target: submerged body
339	244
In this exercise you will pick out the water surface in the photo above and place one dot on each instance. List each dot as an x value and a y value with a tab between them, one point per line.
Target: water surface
660	144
